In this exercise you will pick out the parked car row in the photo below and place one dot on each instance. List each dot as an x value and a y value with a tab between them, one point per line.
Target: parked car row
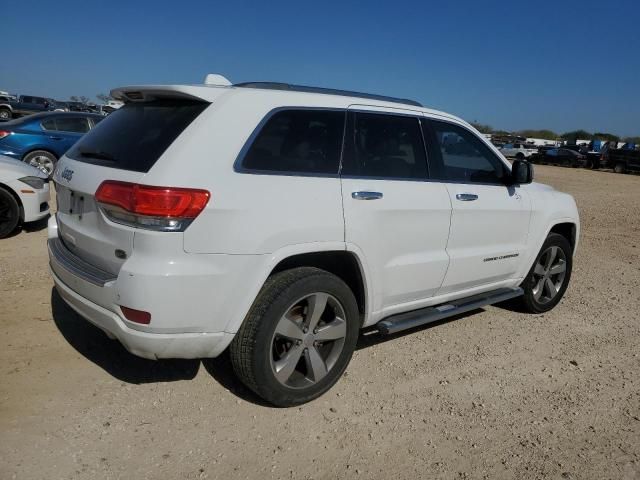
619	160
41	139
12	106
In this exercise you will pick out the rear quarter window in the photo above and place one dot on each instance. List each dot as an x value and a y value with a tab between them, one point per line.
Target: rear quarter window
297	141
136	135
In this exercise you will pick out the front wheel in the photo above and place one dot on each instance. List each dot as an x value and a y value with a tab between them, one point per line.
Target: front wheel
549	277
298	337
5	114
9	213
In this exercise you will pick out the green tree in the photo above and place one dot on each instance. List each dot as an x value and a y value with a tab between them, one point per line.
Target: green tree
481	127
574	136
546	134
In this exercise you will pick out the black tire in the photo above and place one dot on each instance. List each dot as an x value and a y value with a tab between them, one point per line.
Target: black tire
42	159
529	300
9	213
619	168
254	347
5	114
520	156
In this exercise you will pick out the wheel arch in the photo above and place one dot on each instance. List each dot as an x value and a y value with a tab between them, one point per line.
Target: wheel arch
35	148
341	263
568	230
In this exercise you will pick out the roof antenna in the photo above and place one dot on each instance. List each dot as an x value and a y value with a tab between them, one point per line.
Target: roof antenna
218	80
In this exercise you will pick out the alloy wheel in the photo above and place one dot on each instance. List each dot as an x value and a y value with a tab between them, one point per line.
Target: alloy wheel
43	163
308	340
549	274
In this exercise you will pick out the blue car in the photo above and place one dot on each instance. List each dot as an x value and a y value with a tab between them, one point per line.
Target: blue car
41	139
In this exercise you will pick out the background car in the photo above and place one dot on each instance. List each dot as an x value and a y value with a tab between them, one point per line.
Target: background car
24	195
41	139
518	150
559	156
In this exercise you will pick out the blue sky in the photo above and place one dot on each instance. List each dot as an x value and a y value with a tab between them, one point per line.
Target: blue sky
561	65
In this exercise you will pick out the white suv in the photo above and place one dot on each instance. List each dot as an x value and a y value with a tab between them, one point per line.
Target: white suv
279	220
518	150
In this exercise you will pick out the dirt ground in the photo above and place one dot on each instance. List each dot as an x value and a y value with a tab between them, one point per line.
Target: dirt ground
494	394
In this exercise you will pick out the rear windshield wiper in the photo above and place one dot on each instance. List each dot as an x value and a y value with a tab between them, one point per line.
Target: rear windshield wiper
98	154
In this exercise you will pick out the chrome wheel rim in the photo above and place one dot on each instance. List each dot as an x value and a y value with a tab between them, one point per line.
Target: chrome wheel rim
43	163
549	274
4	114
308	340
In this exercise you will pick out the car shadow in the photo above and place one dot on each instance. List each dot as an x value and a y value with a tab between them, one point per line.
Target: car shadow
110	355
221	369
37	225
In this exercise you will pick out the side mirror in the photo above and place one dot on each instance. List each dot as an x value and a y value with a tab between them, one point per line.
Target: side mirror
521	172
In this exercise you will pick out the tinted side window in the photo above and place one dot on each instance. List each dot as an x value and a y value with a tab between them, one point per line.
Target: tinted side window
71	124
460	156
27	100
385	146
49	124
298	141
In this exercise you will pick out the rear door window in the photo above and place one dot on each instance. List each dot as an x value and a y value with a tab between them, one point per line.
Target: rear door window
298	141
136	135
385	146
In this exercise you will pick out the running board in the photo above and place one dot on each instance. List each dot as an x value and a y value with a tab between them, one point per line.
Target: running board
404	321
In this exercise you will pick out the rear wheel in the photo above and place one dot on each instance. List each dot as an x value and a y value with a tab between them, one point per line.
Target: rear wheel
41	159
619	168
549	277
9	213
298	337
5	114
520	156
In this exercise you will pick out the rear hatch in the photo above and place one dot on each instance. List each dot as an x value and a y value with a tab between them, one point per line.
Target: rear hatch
123	147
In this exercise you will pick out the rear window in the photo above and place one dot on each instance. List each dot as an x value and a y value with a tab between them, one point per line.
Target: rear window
136	135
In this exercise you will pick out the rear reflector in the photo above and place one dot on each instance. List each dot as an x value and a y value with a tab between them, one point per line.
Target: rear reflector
4	133
156	208
137	316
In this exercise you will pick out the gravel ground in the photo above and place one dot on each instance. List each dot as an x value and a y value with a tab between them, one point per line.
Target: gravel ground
493	394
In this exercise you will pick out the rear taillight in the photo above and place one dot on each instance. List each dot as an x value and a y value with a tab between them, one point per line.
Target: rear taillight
4	133
155	208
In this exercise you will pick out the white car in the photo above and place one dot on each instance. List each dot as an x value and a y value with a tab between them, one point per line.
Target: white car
24	194
278	220
518	150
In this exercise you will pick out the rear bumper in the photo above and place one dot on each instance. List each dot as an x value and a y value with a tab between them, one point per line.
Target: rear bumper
146	345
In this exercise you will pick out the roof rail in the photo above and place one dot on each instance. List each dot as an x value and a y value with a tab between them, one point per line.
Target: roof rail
326	91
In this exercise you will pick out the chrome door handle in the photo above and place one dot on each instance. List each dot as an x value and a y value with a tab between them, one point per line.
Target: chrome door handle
366	195
466	197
